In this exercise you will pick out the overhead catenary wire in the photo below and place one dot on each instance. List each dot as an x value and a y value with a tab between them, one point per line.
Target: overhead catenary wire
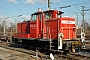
18	9
82	3
86	2
53	3
4	4
19	15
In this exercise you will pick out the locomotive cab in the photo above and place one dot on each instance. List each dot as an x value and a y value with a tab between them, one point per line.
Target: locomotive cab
52	14
36	15
36	25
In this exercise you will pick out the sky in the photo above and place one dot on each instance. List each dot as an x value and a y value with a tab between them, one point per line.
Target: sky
10	9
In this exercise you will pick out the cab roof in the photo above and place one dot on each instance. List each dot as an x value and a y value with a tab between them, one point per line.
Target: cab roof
60	12
36	13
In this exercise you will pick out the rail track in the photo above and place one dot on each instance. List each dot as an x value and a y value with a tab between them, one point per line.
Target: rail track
73	56
41	56
33	54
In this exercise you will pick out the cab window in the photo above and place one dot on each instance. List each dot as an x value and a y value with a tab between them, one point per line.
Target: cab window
33	17
47	15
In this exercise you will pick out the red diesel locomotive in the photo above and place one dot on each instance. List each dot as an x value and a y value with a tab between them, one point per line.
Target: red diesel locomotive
48	30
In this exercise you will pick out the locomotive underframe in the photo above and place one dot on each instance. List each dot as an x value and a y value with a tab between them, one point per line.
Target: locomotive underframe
46	44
